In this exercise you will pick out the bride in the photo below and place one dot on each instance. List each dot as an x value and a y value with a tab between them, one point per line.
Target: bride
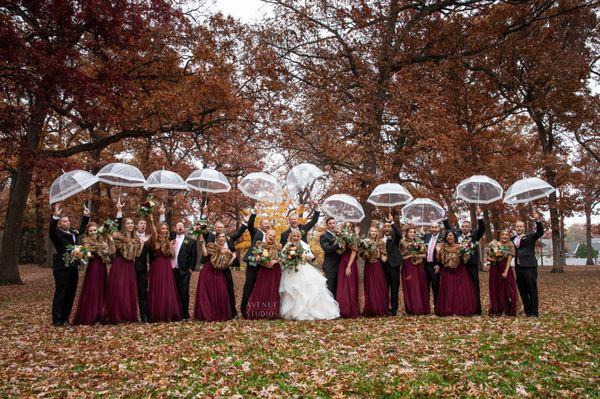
304	293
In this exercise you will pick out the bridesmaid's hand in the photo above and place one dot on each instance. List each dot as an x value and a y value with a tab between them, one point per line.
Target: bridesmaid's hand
436	269
348	271
505	274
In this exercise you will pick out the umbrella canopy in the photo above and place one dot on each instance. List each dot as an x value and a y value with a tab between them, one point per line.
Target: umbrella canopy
69	184
261	186
165	179
389	194
208	181
343	208
121	174
301	176
526	190
479	189
423	211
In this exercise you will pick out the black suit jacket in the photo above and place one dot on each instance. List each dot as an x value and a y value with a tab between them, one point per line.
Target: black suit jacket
392	246
331	258
525	254
60	239
212	237
304	229
255	235
426	239
188	253
476	235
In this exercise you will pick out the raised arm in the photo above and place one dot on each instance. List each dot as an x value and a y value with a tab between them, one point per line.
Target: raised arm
236	235
119	217
478	233
447	224
313	221
85	219
251	221
202	245
53	232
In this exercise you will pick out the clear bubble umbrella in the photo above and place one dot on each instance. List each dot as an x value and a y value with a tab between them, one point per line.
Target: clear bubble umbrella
479	189
389	194
121	174
69	184
301	177
343	208
261	186
423	212
208	181
526	190
166	180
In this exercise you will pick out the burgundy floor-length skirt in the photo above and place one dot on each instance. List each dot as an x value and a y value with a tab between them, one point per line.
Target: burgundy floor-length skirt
456	296
347	288
503	291
264	302
122	296
212	297
376	290
414	288
90	309
163	300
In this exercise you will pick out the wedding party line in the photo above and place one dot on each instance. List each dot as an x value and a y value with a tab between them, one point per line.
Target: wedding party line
151	262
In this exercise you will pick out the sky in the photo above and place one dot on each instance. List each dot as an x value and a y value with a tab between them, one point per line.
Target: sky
253	10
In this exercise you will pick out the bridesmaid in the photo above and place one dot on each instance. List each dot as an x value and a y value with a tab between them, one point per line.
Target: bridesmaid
90	309
264	300
212	294
503	288
376	289
163	299
347	284
122	298
414	280
457	294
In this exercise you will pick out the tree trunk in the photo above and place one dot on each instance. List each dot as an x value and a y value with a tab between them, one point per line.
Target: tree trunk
557	266
588	233
40	231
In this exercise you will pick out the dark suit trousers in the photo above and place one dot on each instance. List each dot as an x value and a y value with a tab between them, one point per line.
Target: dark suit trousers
65	288
392	277
527	284
230	290
433	279
332	278
474	273
141	277
251	273
182	281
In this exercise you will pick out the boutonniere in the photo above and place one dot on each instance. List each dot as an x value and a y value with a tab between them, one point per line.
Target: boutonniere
76	232
185	242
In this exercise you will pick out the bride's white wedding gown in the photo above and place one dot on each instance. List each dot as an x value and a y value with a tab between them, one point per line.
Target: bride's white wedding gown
304	294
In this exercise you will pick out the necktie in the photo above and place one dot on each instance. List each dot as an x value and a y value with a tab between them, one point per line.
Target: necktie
430	248
518	241
175	253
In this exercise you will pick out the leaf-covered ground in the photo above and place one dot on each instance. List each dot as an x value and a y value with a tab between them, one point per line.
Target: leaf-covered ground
556	355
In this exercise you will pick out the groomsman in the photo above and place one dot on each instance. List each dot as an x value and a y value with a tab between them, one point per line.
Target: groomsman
65	276
259	234
432	266
331	257
304	228
392	236
526	264
141	262
183	262
231	240
465	233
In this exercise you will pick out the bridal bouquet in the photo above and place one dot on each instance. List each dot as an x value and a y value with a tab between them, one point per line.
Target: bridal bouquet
201	228
147	208
109	227
76	254
291	256
346	237
260	256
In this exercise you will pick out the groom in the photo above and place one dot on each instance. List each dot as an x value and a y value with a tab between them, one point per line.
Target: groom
304	228
392	236
331	257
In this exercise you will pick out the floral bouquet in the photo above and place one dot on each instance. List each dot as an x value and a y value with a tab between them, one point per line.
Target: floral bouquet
147	208
346	237
367	246
467	248
76	254
291	256
109	227
497	251
260	256
201	228
415	249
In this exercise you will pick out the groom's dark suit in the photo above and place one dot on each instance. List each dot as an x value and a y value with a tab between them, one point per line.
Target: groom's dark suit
331	260
251	271
526	268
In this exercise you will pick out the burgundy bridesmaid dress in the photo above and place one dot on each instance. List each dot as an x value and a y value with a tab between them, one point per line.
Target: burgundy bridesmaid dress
414	288
90	309
122	296
347	288
212	296
376	290
503	291
264	301
163	300
457	295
